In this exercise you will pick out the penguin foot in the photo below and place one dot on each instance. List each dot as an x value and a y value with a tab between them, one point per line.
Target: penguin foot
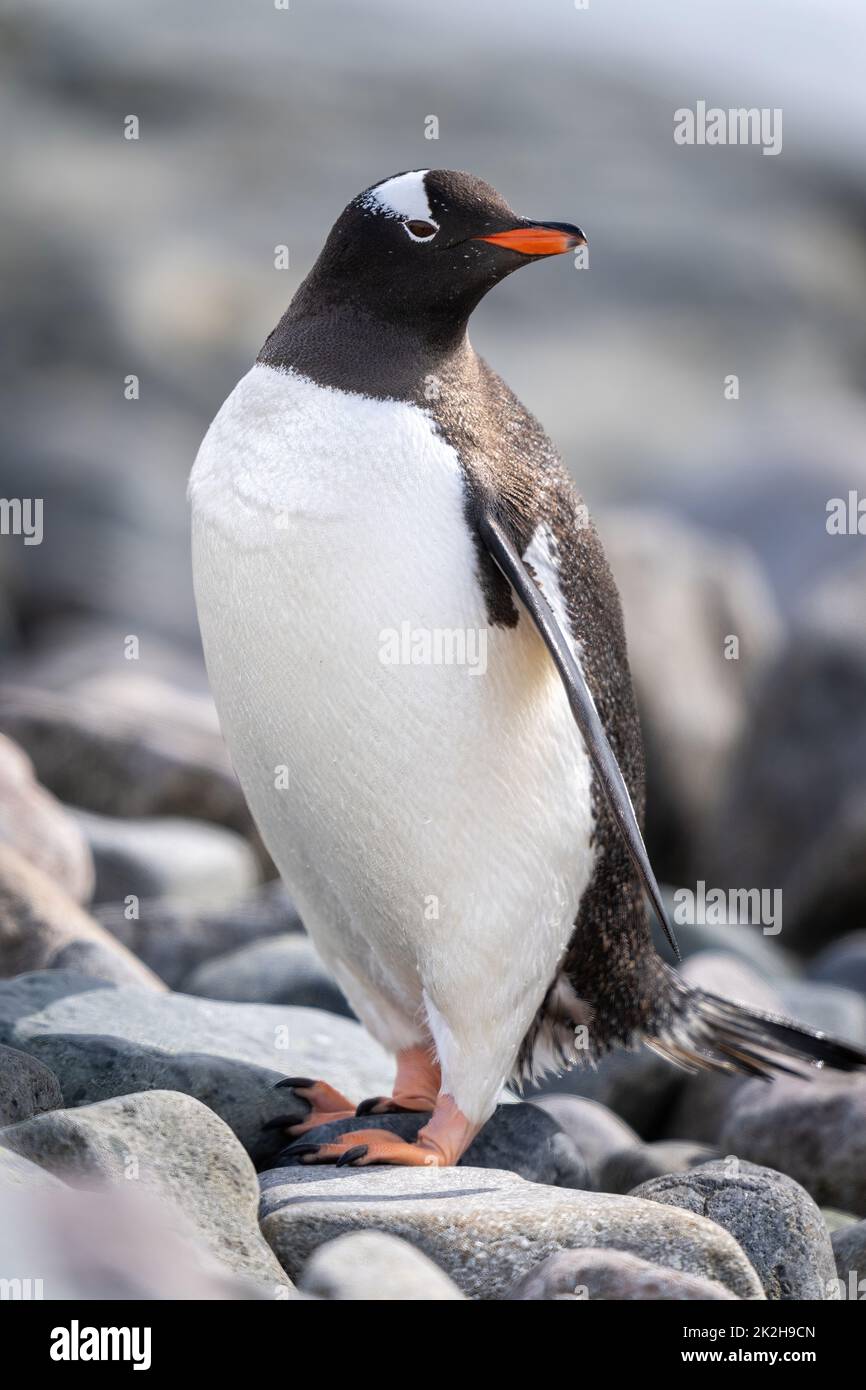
440	1144
390	1105
361	1147
326	1104
416	1086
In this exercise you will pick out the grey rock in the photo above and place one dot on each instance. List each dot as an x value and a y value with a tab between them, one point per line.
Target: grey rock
773	1219
640	1087
795	814
283	969
487	1229
829	1008
814	1130
759	952
27	1087
837	1220
174	938
170	857
849	1252
101	1042
116	1243
626	1170
843	963
98	959
19	1176
123	761
684	590
575	1276
594	1130
373	1266
517	1138
85	655
524	1140
177	1149
34	823
827	887
39	922
704	1099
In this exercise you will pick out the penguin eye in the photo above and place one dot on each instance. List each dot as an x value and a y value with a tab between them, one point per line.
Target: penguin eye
421	231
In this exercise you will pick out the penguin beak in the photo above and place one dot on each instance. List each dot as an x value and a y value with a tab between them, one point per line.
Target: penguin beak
538	238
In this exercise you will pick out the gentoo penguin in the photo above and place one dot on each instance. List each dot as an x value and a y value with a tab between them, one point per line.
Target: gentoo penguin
416	649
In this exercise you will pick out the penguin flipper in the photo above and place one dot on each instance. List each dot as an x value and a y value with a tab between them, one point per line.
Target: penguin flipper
508	559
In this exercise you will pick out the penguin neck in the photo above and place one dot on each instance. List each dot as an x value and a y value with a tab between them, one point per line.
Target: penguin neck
347	347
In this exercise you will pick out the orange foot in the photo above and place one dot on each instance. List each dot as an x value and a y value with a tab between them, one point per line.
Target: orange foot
326	1104
416	1086
438	1145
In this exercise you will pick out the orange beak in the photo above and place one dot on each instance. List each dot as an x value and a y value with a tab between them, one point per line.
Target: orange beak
542	239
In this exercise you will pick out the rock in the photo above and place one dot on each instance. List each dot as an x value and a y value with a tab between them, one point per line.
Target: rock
487	1229
595	1131
523	1139
98	959
517	1138
26	1087
773	1219
283	969
837	1220
827	887
112	1244
39	828
626	1170
122	761
703	1100
814	1130
829	1008
102	1041
175	938
177	1149
761	954
39	922
794	813
684	592
371	1266
843	963
640	1087
86	656
578	1275
849	1252
18	1176
168	857
721	973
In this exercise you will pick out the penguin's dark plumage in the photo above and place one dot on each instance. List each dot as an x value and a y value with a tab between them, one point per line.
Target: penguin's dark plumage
411	482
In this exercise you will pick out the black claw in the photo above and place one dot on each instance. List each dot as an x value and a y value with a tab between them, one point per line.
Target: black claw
367	1107
281	1122
350	1155
292	1081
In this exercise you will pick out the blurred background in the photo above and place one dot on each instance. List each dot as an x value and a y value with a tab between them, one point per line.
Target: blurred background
155	258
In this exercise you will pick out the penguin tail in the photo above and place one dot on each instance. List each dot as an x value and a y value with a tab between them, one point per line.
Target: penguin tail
705	1032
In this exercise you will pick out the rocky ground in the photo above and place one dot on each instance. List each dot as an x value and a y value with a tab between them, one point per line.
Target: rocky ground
157	983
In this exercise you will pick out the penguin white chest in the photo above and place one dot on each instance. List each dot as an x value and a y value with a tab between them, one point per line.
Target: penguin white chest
416	775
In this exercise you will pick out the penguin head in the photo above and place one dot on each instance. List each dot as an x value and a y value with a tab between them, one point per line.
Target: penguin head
423	247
